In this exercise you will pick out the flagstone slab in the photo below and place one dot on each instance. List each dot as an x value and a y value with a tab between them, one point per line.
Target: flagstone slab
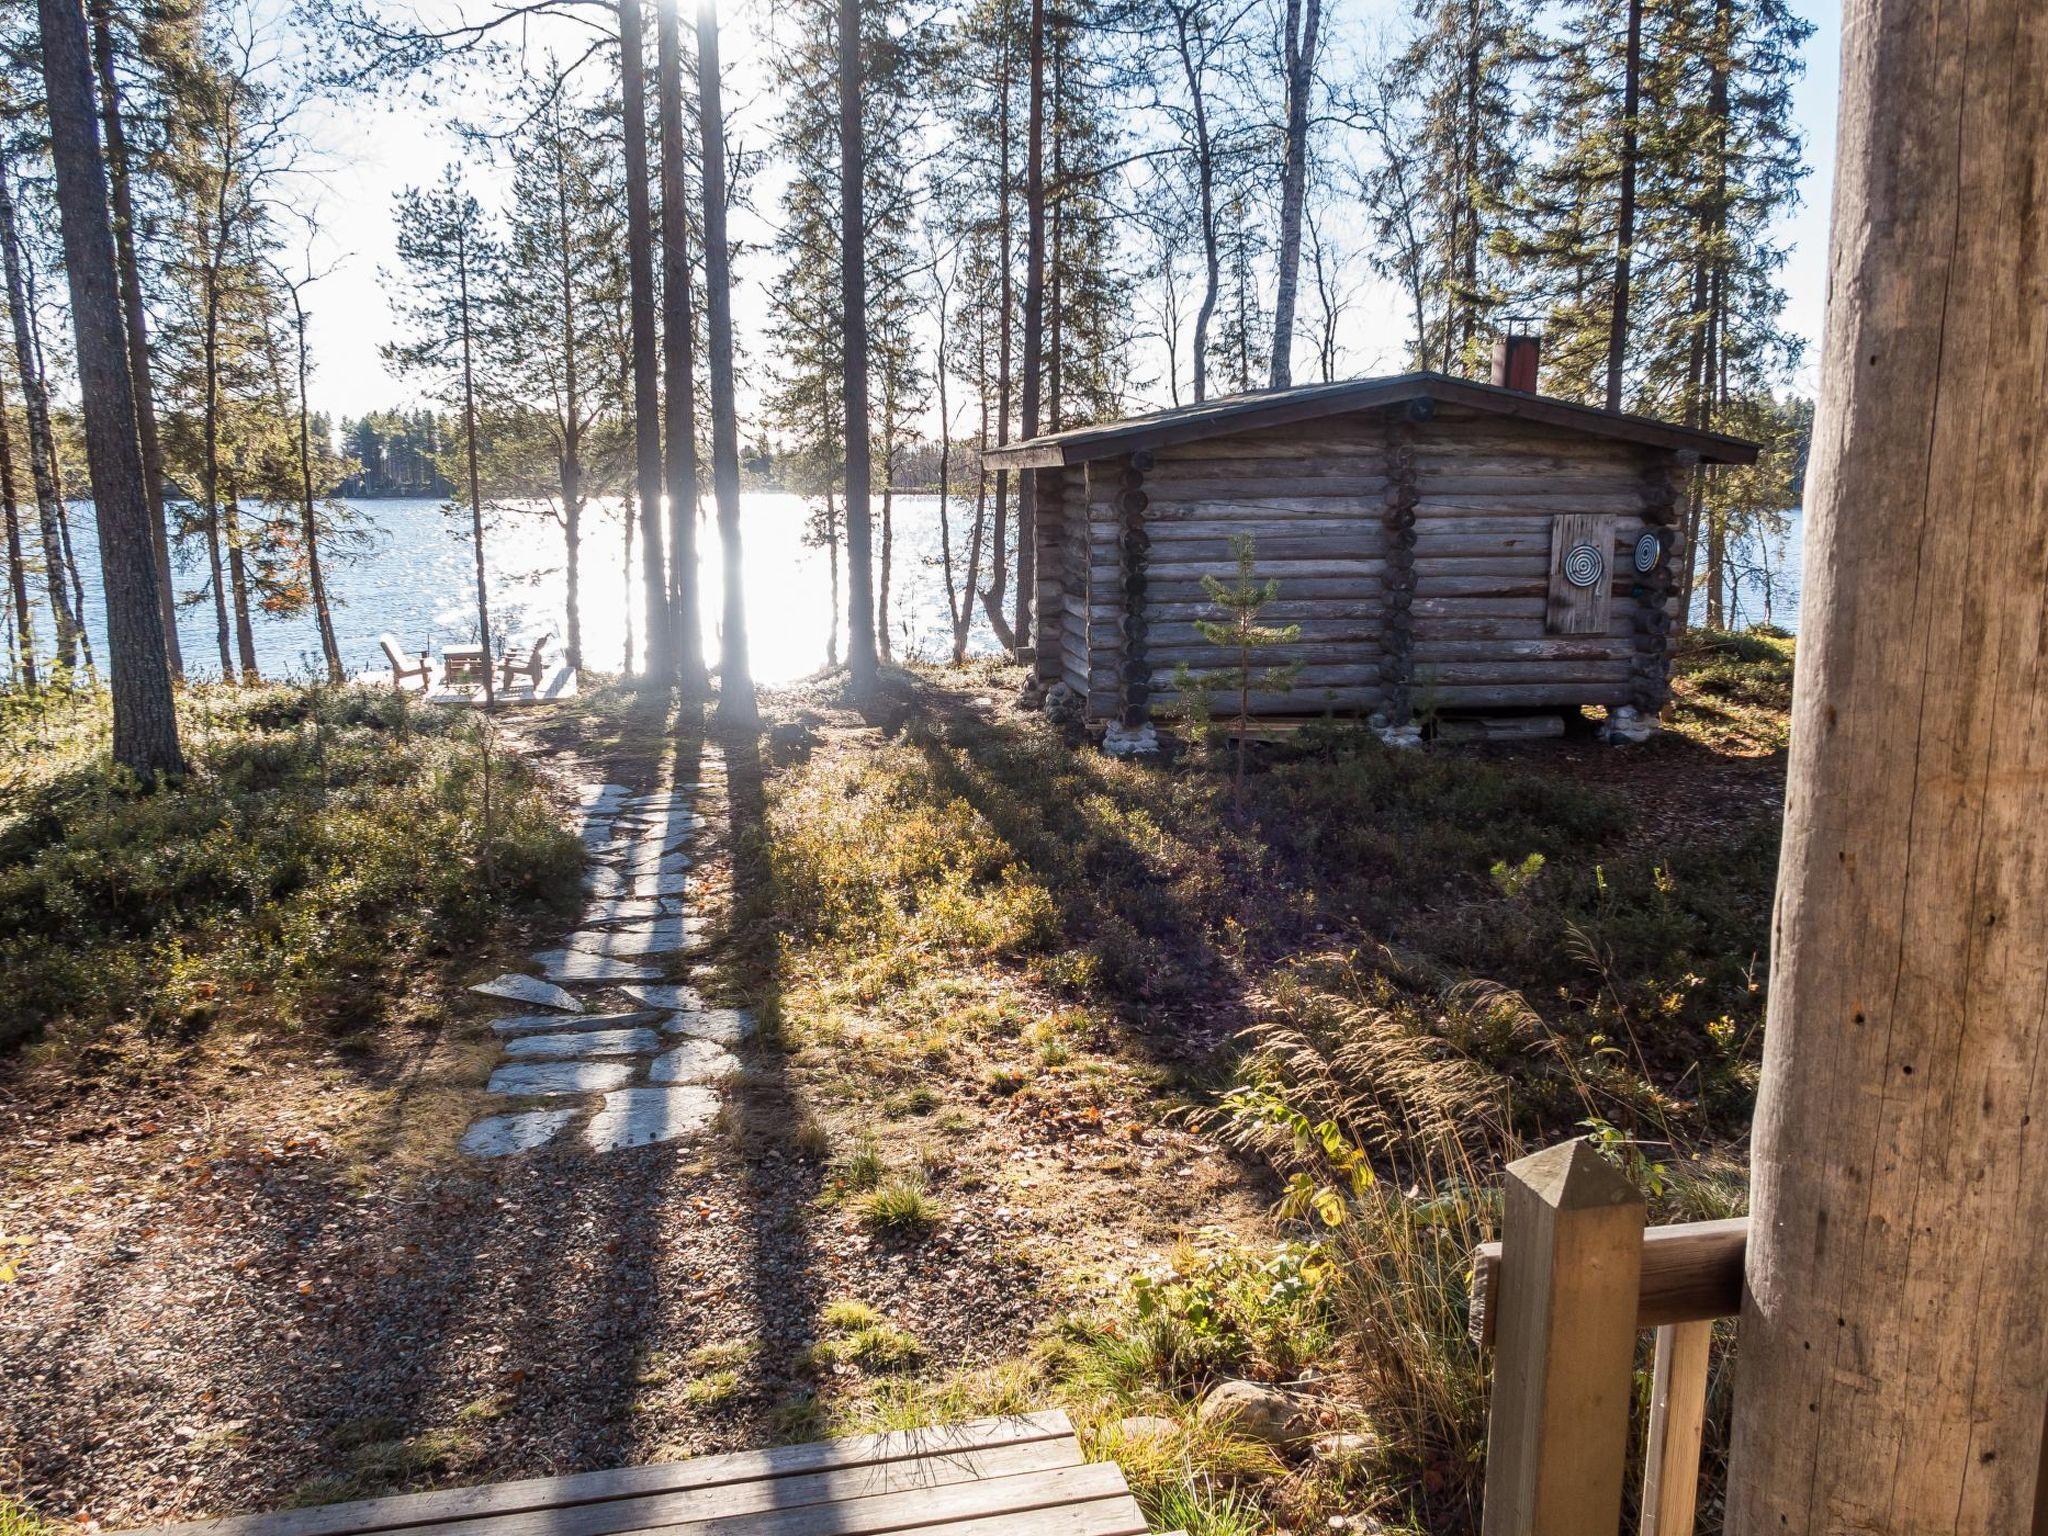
694	1061
580	965
502	1135
608	884
518	1078
639	1117
627	909
670	996
528	989
591	793
634	846
556	1023
637	866
662	937
566	1044
669	882
727	1026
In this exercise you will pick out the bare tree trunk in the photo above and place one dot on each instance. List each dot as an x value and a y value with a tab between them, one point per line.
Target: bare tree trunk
1303	21
137	317
309	519
210	471
42	451
238	579
17	568
646	375
1625	215
1034	325
860	575
476	483
1205	187
1893	1360
992	599
832	557
572	417
882	643
736	679
679	346
627	664
145	716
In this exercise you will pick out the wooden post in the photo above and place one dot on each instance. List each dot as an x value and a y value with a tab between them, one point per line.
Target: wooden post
1571	1267
1892	1363
1678	1416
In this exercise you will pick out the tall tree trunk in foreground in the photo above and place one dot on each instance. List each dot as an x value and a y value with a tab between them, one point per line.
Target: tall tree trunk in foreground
138	319
17	568
570	470
1303	22
145	717
36	410
1625	214
679	345
1893	1357
736	677
853	292
1034	324
646	375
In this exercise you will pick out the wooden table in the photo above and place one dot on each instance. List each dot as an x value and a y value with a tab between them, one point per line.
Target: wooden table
462	664
1019	1476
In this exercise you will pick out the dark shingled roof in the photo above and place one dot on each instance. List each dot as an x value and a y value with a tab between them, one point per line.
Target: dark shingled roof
1280	407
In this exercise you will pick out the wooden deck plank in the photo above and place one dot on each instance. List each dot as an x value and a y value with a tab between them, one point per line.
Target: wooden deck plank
1096	1517
1007	1500
409	1511
840	1488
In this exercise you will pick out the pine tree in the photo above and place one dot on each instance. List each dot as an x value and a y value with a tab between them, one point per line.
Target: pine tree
1241	636
1462	70
452	264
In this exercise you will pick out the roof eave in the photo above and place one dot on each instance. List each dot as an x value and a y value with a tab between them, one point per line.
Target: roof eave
1079	447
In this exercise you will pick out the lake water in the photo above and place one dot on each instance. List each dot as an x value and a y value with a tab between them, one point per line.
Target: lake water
416	580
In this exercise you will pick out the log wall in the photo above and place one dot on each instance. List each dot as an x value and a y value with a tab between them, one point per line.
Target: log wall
1414	554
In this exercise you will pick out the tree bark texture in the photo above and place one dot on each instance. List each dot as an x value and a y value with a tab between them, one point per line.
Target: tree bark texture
860	571
646	373
678	356
1303	23
1893	1357
736	679
1034	323
145	715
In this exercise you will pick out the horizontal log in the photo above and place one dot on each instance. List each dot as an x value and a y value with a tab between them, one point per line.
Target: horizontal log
1340	650
1338	541
1353	698
1692	1273
1292	484
1326	569
1515	670
1369	501
1363	525
1439	584
1520	695
1525	563
1430	645
1428	503
1453	479
1312	677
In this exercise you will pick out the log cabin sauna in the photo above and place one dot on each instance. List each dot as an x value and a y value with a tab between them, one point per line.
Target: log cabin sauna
1452	551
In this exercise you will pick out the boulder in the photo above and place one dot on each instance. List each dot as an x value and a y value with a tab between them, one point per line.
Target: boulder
1267	1413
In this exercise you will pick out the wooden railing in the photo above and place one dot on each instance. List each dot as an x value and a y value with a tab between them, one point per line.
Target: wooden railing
1560	1300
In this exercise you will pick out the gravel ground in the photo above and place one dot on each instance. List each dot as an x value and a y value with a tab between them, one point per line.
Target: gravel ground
258	1273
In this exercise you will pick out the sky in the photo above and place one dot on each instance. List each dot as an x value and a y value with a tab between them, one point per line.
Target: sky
372	150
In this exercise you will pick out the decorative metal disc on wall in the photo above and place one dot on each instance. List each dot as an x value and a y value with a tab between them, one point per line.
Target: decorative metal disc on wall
1649	550
1584	565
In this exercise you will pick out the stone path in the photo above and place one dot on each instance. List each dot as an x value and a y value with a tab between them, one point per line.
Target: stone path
638	1057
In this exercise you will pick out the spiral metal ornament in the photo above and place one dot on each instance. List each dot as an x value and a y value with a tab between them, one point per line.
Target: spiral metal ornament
1649	550
1584	565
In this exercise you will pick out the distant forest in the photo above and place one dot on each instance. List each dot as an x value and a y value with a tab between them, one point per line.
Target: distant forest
396	453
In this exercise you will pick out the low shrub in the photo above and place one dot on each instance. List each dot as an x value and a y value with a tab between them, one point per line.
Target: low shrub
322	837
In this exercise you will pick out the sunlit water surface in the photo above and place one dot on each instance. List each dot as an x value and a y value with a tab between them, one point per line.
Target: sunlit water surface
416	580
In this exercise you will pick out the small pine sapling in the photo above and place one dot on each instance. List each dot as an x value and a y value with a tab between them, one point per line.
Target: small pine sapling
1240	634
